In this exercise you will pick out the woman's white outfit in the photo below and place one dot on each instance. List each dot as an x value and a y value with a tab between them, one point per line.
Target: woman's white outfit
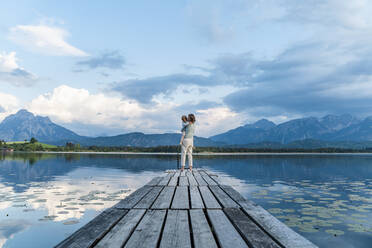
187	145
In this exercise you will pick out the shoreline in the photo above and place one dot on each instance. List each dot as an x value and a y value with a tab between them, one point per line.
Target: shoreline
207	153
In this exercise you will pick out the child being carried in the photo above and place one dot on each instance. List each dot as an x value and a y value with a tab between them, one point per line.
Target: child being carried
185	122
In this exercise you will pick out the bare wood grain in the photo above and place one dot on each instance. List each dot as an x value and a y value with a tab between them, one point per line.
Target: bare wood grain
149	198
226	233
176	231
147	233
208	198
181	198
117	236
202	234
164	199
89	234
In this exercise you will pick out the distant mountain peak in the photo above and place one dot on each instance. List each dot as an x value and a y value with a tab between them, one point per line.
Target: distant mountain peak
21	115
24	112
338	122
25	125
25	115
262	124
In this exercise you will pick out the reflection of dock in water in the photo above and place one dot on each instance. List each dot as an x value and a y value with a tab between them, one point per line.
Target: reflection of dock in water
184	209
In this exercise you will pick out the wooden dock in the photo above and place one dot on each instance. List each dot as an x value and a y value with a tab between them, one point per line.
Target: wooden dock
184	209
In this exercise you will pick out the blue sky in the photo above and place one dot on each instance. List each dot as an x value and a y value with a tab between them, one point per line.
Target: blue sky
109	67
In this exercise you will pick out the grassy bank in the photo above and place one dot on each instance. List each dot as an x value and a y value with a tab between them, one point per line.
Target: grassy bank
28	146
69	147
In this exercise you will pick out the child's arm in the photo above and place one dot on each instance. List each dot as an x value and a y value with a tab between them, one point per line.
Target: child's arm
184	127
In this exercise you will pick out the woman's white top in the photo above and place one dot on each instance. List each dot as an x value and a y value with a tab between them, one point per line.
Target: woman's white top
189	132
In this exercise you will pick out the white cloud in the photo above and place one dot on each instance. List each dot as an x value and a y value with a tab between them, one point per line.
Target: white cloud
11	72
67	105
217	120
8	105
8	62
44	39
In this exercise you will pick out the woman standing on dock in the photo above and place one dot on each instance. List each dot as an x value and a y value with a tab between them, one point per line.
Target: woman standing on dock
187	142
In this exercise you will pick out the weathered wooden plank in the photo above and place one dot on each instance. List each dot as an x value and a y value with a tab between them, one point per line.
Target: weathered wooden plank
207	178
174	180
208	198
202	234
176	231
199	178
117	236
232	193
165	179
181	198
252	234
165	198
131	200
192	181
89	234
183	181
277	229
149	199
215	177
223	198
206	172
183	173
147	232
281	232
195	198
154	181
226	234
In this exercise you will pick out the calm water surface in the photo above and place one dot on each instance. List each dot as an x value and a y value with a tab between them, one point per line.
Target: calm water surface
45	198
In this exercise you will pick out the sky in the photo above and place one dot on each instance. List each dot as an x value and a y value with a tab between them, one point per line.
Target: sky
112	67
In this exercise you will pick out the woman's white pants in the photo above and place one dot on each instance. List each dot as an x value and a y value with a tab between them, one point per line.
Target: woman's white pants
187	145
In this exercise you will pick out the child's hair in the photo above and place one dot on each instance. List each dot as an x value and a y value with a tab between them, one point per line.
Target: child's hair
184	118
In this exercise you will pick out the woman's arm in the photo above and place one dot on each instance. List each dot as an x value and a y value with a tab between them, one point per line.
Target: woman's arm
182	137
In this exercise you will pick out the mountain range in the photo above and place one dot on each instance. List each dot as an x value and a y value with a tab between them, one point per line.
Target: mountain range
24	125
329	128
343	131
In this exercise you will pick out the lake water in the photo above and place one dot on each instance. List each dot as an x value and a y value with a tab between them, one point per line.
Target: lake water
46	197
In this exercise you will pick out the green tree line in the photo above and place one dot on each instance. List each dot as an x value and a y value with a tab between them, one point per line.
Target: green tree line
70	147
